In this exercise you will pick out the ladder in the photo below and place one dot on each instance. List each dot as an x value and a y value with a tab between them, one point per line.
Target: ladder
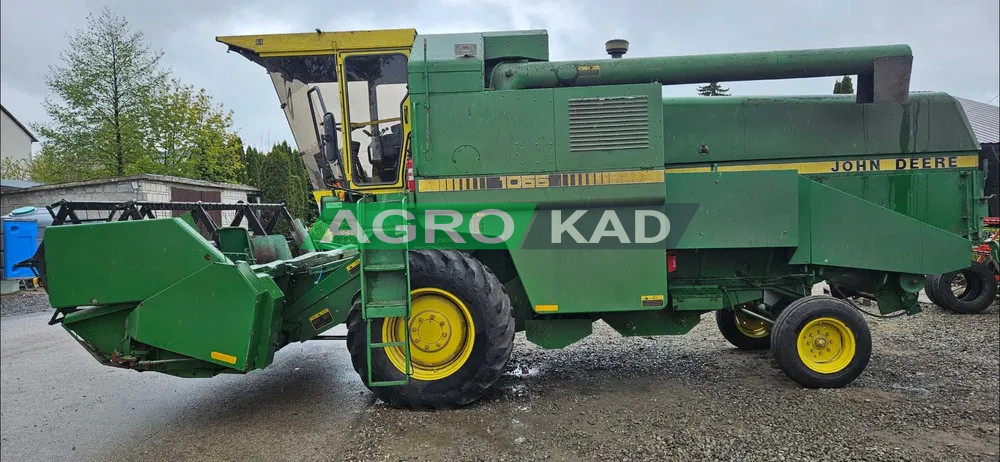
385	285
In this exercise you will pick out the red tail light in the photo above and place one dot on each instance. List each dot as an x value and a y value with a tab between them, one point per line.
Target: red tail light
671	261
410	183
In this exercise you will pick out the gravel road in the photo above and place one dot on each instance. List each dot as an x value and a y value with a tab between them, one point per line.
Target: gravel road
24	302
930	393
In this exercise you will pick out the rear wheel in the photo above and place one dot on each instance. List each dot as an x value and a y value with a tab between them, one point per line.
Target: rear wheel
743	331
968	291
461	331
821	342
929	290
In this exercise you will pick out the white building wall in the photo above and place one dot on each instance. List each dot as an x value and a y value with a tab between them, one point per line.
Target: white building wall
117	192
144	190
232	196
153	191
14	142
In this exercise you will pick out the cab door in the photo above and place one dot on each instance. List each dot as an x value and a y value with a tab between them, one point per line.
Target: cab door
374	101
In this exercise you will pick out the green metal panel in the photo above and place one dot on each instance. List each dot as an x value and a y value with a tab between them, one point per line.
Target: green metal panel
756	129
554	276
851	232
447	77
223	314
607	128
937	198
696	298
234	242
557	333
483	133
785	130
525	44
435	66
332	290
100	329
81	260
645	323
738	209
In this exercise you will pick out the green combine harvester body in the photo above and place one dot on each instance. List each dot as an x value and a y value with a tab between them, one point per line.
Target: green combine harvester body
867	192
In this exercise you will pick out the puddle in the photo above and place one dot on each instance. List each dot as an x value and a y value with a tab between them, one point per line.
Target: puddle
522	371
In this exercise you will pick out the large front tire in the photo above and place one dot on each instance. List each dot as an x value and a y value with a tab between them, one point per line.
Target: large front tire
821	342
461	332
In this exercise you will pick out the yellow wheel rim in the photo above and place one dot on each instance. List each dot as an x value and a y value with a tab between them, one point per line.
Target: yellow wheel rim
751	326
826	345
441	335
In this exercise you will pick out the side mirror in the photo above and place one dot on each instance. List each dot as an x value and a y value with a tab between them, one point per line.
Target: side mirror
327	141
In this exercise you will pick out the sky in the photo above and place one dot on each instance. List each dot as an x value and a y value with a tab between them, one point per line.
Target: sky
955	44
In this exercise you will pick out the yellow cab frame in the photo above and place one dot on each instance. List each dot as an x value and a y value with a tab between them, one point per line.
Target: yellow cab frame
343	45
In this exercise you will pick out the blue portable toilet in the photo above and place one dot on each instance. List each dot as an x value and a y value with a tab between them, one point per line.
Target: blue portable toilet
21	239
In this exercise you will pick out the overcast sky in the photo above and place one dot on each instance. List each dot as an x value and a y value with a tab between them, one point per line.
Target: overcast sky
955	43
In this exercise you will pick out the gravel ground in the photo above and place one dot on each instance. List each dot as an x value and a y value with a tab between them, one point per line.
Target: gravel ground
930	392
24	302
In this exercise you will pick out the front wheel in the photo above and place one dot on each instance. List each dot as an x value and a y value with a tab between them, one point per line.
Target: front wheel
821	342
460	330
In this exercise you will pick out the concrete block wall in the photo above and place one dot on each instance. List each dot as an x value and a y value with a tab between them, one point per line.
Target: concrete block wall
145	190
118	192
152	191
232	196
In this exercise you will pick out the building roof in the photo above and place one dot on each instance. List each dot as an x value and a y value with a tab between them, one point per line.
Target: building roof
19	124
145	177
984	118
17	184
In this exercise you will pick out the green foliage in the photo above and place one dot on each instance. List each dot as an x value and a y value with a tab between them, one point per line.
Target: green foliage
843	86
281	177
116	113
713	89
106	79
15	169
254	161
191	137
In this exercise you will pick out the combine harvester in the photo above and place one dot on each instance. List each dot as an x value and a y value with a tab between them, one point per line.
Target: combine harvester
774	194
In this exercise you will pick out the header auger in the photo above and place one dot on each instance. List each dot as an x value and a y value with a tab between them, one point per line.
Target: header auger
764	197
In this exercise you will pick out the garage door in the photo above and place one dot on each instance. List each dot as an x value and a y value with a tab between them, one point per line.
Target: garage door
191	195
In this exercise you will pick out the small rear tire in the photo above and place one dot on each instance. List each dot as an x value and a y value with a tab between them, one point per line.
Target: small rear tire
743	331
821	342
979	293
929	289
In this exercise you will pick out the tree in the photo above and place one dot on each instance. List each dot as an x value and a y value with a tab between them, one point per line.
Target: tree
713	89
15	169
281	177
843	86
118	113
190	136
106	79
254	161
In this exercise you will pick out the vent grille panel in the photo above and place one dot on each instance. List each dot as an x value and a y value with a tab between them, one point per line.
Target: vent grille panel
609	124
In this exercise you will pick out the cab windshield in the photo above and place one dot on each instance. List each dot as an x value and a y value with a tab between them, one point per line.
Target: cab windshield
376	89
293	77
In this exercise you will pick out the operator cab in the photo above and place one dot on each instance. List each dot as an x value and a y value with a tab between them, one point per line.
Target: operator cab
340	90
